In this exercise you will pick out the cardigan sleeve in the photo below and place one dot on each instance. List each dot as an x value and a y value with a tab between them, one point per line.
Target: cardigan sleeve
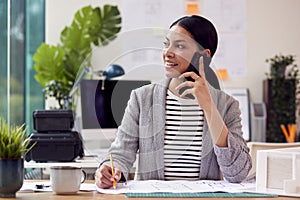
234	160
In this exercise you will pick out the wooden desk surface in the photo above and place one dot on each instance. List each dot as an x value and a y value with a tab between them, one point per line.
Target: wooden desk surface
96	195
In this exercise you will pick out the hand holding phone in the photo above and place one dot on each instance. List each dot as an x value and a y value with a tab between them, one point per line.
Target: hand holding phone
194	67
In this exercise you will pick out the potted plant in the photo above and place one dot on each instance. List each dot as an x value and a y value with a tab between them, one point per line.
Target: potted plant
14	144
58	65
280	95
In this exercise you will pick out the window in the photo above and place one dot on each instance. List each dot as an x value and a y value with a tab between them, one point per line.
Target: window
22	31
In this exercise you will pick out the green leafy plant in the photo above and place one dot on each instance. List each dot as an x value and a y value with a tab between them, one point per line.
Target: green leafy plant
282	99
279	64
58	65
14	143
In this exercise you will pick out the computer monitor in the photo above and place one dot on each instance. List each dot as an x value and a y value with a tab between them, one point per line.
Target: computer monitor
103	104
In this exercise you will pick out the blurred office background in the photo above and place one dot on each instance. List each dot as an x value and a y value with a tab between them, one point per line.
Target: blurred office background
263	28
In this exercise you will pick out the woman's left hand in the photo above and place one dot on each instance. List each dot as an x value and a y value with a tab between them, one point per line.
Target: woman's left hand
198	88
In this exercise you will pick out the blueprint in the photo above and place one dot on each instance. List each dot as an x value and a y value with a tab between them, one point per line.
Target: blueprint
151	186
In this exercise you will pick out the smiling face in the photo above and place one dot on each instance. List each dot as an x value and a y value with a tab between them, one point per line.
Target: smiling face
179	48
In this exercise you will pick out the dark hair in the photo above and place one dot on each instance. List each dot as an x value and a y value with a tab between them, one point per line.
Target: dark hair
202	30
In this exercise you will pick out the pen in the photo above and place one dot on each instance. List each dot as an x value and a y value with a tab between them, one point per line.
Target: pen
113	171
41	186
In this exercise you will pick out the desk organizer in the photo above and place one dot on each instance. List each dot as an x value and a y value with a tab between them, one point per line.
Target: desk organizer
278	171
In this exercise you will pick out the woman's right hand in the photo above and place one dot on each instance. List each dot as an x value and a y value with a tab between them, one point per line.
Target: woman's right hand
104	178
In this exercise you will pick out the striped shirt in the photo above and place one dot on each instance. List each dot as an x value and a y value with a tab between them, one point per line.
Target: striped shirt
183	138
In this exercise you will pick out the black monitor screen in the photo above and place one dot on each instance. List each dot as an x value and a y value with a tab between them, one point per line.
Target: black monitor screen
103	105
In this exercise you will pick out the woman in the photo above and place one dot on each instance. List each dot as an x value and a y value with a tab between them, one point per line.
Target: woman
177	137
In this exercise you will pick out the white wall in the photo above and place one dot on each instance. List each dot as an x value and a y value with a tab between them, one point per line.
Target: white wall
273	27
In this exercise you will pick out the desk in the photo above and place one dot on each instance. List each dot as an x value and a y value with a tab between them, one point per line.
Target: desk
91	164
95	195
91	161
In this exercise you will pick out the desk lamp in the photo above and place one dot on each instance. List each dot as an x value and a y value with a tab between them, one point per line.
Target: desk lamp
112	71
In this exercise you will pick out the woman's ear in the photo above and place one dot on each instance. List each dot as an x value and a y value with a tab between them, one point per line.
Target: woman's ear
207	52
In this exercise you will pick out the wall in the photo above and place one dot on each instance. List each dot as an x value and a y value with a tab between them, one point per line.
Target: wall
273	27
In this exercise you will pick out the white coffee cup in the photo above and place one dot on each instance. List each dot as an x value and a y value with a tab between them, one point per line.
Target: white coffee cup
66	179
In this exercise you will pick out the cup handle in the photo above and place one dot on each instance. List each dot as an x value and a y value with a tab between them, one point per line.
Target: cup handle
84	176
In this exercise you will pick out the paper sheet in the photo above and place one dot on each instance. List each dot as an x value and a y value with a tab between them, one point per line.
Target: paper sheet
151	186
229	16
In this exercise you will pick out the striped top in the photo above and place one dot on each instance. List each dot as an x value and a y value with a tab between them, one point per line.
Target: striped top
183	138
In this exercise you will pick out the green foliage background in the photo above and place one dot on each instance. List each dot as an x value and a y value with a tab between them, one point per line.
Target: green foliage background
282	90
57	66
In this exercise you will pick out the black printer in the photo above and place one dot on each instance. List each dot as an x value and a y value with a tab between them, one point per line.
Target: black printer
55	139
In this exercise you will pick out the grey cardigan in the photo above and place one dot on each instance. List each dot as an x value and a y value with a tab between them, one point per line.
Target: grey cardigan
143	127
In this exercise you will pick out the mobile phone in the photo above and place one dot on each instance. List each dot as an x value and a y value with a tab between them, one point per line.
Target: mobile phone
194	64
194	67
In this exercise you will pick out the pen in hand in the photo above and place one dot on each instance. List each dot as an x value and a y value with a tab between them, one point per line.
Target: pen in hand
113	171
